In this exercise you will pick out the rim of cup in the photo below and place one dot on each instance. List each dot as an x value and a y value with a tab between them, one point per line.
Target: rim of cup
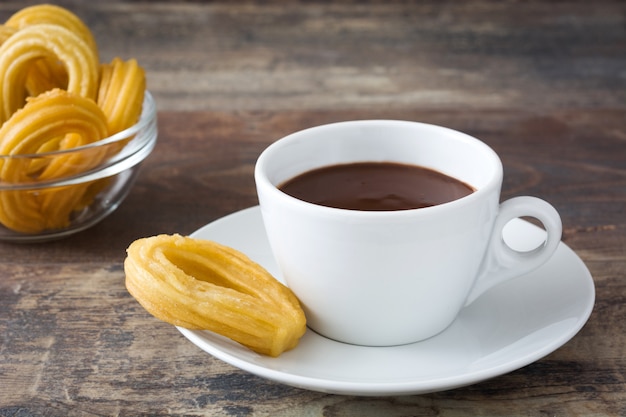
266	156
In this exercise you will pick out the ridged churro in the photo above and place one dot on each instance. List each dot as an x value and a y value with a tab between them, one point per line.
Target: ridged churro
55	114
200	284
49	73
121	92
27	45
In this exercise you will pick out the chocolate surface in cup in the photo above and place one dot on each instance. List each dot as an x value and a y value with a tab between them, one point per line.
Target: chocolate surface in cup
376	186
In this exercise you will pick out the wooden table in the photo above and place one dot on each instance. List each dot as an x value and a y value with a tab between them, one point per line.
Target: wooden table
543	83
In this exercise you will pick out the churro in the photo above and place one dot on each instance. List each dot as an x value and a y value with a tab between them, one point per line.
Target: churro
200	284
28	45
55	114
122	87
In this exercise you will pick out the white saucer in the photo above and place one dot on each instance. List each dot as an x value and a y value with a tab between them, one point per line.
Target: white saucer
510	326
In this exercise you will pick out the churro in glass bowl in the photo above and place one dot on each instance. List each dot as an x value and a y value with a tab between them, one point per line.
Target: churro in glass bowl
49	195
73	129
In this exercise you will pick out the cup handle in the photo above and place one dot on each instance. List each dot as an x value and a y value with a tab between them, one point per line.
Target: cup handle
502	262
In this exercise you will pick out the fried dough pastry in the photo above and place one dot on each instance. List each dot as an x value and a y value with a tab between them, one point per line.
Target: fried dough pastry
49	73
200	284
50	115
28	45
71	121
44	74
122	87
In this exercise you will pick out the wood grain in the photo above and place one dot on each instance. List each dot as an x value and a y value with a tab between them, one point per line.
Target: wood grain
541	82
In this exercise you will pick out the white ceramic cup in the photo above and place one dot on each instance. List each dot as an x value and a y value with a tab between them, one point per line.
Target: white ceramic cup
382	278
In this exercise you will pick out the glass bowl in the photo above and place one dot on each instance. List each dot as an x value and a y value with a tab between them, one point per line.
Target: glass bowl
81	192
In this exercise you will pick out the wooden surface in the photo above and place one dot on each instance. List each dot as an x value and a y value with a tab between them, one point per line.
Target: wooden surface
543	83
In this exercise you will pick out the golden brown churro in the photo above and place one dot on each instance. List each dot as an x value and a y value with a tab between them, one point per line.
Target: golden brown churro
50	115
200	284
49	73
55	114
27	45
121	93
